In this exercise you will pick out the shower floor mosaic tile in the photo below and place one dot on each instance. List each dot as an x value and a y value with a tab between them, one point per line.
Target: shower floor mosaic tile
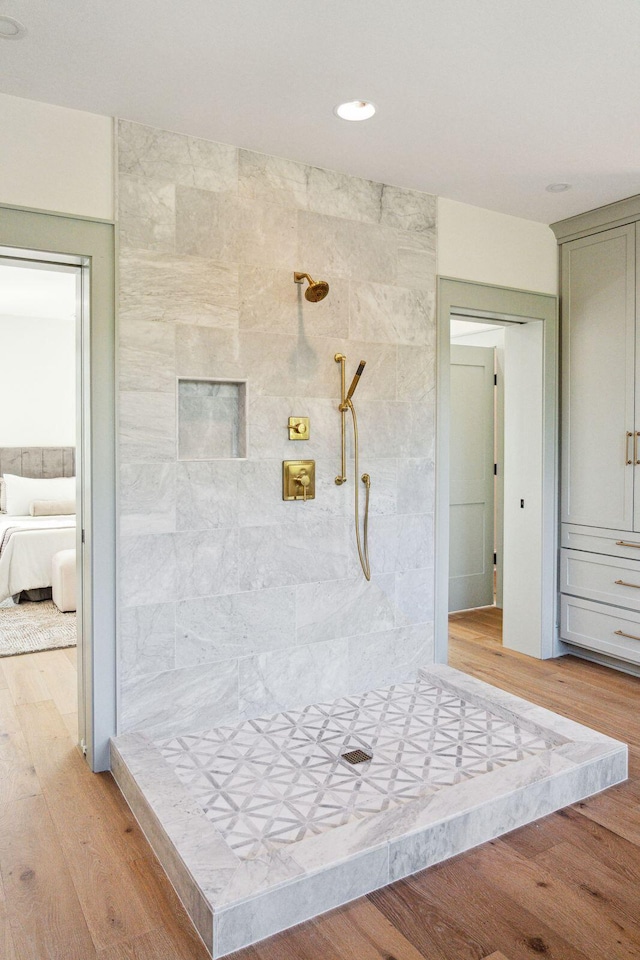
263	825
273	781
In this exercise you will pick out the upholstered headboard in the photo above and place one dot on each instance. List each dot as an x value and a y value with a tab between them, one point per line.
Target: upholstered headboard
39	462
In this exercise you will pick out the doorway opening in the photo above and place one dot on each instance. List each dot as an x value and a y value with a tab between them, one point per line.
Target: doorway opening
40	510
39	320
476	479
497	469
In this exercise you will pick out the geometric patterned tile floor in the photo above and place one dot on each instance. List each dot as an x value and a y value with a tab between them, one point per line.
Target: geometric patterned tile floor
271	782
263	825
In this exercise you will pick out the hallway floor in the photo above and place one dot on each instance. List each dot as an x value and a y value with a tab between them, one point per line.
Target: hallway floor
483	623
80	882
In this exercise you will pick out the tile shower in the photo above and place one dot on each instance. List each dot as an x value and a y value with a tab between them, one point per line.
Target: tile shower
252	651
234	603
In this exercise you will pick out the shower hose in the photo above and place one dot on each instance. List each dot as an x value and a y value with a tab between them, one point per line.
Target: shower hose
363	553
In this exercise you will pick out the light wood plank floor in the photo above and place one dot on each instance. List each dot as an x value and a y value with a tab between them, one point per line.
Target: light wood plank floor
78	881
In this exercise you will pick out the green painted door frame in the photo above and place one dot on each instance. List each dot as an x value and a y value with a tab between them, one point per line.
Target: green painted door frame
88	244
462	298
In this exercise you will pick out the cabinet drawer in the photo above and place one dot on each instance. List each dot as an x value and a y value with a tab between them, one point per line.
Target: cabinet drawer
595	577
613	543
595	626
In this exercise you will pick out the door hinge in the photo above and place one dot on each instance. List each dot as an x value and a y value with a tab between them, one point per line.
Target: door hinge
495	469
495	558
495	379
82	536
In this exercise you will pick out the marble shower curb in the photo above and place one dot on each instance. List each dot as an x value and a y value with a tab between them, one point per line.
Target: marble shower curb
234	902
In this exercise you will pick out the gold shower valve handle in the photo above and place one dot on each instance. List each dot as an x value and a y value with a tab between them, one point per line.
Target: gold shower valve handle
298	428
304	480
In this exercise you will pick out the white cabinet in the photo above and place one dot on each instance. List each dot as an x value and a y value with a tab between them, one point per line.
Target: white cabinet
610	631
608	579
600	436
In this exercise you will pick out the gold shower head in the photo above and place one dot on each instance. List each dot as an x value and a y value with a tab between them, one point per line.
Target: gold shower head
317	289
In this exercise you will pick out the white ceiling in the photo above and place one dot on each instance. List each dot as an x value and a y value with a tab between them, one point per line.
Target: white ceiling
48	294
484	101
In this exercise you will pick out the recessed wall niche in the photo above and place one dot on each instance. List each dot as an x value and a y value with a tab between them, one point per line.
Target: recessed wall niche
211	419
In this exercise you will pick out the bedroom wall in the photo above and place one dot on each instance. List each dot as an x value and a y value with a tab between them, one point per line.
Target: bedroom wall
38	382
232	602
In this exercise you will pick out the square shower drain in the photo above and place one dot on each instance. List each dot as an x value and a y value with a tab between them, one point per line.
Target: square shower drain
357	756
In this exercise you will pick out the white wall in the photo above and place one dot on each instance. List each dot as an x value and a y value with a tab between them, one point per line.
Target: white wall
37	382
53	158
485	338
488	247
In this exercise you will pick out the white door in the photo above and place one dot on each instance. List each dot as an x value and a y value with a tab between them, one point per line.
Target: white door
471	523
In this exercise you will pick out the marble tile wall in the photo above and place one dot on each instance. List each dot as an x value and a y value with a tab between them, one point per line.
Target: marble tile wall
234	603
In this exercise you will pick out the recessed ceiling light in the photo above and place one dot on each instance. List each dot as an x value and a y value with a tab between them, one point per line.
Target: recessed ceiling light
558	187
11	29
355	110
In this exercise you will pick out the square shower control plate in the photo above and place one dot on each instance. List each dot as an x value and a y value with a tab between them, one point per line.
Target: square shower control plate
298	479
298	428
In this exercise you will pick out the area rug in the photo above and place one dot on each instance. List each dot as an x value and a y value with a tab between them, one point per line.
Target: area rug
29	627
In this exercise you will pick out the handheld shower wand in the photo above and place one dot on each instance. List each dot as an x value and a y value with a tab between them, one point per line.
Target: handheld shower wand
354	382
347	404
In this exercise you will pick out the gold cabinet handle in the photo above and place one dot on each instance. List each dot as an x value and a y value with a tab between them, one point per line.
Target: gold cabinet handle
630	636
626	543
635	446
624	583
627	458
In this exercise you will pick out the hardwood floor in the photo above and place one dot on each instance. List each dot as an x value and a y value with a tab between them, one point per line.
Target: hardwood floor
78	880
484	623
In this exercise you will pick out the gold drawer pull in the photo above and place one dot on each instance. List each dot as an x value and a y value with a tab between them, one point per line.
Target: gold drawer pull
630	636
626	543
623	583
627	455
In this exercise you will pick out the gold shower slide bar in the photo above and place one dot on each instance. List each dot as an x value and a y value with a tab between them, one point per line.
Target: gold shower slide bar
341	359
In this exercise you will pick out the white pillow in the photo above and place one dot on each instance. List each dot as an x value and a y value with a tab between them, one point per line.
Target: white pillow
21	491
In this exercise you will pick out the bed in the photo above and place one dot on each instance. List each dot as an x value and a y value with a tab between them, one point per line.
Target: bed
28	544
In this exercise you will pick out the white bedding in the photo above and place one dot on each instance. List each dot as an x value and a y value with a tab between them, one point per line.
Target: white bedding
25	562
